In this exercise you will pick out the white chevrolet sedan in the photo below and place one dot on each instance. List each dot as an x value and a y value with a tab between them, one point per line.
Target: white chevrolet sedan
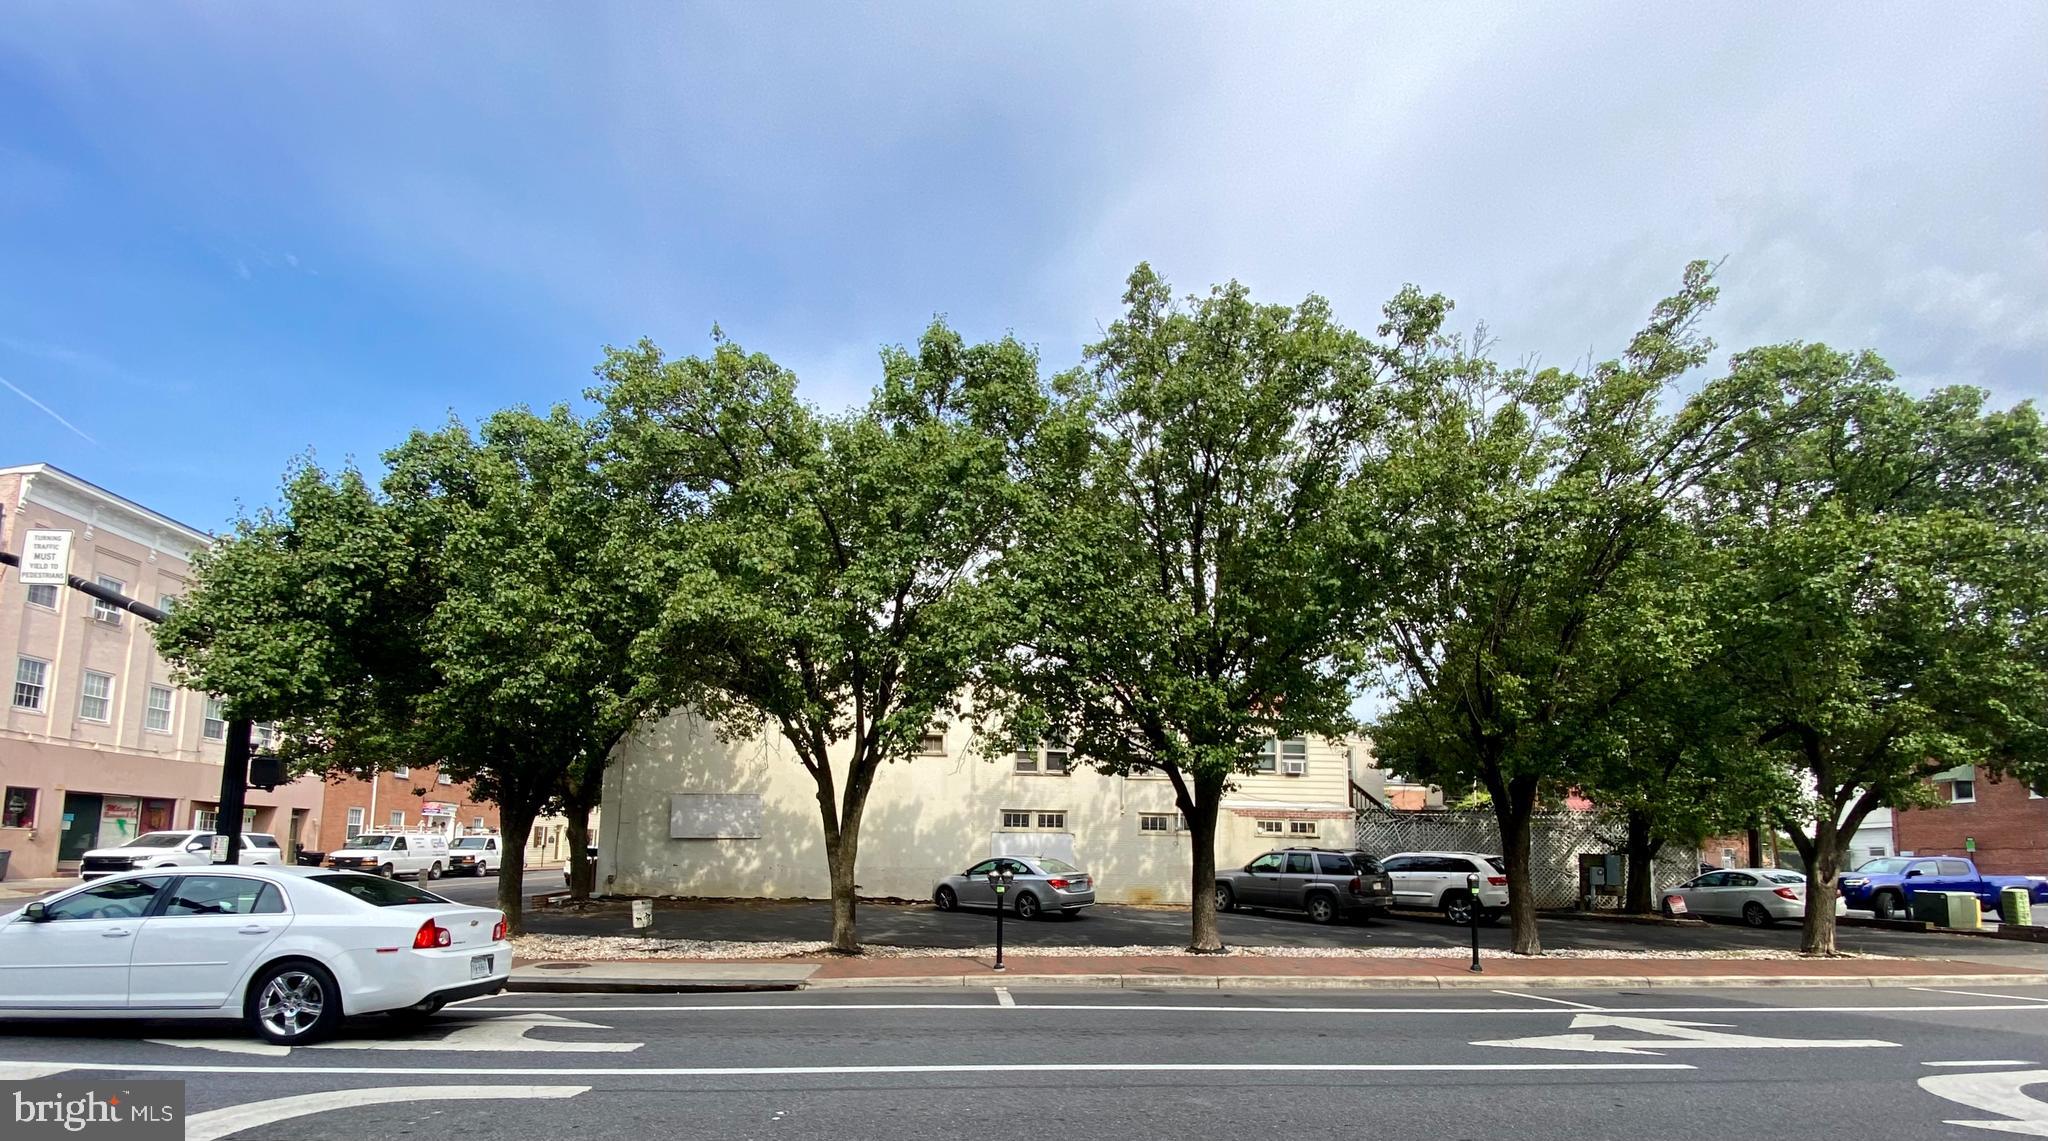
291	951
1757	896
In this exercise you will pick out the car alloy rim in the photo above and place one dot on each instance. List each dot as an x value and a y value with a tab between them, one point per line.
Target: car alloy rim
291	1003
1319	909
1461	912
1222	897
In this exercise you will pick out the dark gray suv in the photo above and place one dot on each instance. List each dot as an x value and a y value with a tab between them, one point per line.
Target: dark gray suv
1327	885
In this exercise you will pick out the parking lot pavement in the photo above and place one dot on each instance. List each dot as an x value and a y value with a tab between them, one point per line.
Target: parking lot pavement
1885	1064
921	925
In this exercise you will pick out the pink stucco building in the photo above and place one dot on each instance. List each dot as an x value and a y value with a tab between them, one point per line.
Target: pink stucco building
96	742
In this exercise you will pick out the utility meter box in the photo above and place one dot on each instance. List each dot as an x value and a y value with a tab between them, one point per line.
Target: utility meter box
643	914
2013	906
1948	908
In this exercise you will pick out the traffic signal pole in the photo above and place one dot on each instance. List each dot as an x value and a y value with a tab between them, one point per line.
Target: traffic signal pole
234	772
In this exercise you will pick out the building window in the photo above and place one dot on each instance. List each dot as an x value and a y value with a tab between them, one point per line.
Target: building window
96	697
1962	791
156	717
215	725
931	745
18	810
355	823
43	594
167	602
478	824
205	819
402	772
1155	822
1877	852
1301	828
444	778
1727	857
1052	820
263	735
1054	758
31	683
1289	757
1027	760
103	611
1272	827
1016	819
397	819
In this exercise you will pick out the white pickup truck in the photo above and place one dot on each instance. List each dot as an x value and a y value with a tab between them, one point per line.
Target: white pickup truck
183	849
422	855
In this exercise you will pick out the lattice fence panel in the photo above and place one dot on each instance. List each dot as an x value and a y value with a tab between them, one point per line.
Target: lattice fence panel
1556	841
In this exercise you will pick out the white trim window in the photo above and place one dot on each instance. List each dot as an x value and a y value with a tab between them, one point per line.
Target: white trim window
444	778
205	819
263	735
1272	827
397	819
96	697
1158	823
932	744
167	602
402	772
43	594
31	683
1289	757
1056	821
103	611
1052	759
1303	829
1031	818
354	827
1016	818
156	714
1963	790
214	726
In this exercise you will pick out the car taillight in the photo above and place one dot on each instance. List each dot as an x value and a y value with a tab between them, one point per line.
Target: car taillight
1357	886
498	932
431	935
1497	881
1057	883
1786	893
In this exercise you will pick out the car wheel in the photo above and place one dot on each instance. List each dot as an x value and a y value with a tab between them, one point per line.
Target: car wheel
1458	907
388	872
1755	915
1884	905
293	1004
944	899
433	871
1027	906
1226	899
1322	909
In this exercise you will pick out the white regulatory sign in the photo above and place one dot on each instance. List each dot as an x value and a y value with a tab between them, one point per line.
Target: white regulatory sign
46	558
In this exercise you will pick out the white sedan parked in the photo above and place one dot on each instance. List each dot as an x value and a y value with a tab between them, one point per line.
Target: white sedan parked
291	951
1757	896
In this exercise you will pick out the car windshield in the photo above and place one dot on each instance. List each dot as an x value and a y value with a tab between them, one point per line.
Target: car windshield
1889	866
372	843
1785	877
158	840
378	891
470	842
1056	867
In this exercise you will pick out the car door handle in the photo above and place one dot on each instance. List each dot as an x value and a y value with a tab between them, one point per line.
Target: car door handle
114	934
255	929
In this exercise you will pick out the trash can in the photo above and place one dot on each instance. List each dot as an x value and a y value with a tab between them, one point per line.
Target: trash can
5	853
2014	908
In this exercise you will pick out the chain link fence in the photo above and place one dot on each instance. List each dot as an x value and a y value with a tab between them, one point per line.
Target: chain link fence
1556	841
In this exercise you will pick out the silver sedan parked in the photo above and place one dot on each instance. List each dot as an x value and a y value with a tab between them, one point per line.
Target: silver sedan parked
1043	884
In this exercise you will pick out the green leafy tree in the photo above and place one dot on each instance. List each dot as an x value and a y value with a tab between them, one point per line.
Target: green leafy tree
1525	605
475	615
1196	559
1879	594
822	574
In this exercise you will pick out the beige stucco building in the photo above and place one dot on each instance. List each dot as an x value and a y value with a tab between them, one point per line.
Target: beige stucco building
96	743
686	814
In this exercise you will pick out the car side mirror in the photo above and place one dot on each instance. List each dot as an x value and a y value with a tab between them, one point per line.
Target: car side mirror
1915	872
35	913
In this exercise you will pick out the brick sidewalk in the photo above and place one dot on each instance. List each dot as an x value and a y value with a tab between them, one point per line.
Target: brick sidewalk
1172	966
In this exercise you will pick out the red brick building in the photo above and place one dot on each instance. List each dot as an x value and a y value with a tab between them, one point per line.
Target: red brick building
406	798
2007	821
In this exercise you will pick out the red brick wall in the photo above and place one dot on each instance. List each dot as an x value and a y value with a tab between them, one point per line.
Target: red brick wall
405	794
2010	828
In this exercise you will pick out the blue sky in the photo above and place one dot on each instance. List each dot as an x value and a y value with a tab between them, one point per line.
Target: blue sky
230	234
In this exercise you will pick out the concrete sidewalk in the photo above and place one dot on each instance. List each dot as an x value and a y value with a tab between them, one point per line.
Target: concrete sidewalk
1250	972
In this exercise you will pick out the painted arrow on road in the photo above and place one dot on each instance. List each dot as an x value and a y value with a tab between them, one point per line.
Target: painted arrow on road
505	1035
1674	1036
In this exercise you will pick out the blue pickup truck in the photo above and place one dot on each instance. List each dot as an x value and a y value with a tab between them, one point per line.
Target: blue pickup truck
1885	886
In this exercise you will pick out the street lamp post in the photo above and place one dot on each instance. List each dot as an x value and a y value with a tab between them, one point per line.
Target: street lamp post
1000	878
1472	888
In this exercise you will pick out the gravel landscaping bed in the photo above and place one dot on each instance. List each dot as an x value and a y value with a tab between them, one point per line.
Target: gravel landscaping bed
602	947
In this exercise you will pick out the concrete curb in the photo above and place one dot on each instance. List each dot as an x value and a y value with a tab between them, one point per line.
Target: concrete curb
645	986
1481	981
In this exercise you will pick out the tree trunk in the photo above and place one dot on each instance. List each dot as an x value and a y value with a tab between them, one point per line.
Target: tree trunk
582	872
515	824
1642	864
841	853
1756	848
1203	938
1515	844
1823	862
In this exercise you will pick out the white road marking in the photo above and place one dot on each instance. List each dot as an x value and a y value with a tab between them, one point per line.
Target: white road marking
1980	994
225	1045
218	1123
500	1034
1996	1093
1982	1062
1547	998
1003	997
955	1068
27	1071
1676	1036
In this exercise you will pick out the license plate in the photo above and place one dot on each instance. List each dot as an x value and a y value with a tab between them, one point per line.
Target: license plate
480	966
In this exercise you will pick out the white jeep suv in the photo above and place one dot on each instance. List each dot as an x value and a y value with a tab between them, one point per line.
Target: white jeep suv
1440	881
185	849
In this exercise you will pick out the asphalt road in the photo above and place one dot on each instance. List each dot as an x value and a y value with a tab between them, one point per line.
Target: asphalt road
1875	1064
921	925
